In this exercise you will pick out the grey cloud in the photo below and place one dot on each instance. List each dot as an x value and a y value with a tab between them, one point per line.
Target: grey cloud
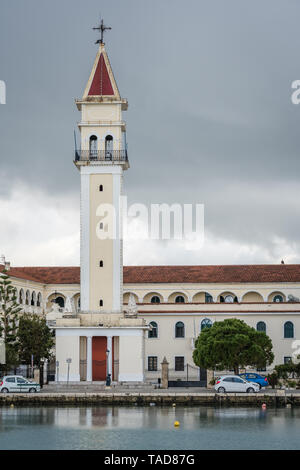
210	117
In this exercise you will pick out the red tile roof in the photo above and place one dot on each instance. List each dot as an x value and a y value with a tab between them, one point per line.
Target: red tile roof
101	84
170	274
47	275
211	274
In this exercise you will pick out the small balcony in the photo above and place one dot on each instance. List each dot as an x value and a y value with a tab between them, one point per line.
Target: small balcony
118	156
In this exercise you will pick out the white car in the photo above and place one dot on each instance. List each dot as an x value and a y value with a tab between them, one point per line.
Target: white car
234	383
17	383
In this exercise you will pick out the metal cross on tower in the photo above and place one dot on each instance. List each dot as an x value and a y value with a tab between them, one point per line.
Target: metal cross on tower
101	28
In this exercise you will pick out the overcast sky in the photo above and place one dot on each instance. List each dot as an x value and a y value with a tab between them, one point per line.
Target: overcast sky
210	121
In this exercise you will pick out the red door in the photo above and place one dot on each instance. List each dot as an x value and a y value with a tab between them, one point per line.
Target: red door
99	346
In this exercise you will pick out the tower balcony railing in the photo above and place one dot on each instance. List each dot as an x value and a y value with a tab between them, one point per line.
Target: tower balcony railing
101	155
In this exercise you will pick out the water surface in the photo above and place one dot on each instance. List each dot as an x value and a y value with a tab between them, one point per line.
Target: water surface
149	428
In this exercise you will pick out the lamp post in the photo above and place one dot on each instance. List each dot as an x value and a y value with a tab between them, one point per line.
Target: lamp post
68	362
57	371
108	379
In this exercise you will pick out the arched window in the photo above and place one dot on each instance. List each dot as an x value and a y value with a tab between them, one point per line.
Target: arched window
27	301
208	298
79	303
278	298
60	301
228	299
289	329
101	187
101	226
179	330
109	144
39	300
21	297
206	323
261	326
179	299
93	146
101	264
32	299
155	299
101	303
154	332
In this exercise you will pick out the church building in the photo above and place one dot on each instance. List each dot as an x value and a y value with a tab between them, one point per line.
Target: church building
123	321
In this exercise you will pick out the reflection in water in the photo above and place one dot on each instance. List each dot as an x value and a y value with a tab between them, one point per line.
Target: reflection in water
148	428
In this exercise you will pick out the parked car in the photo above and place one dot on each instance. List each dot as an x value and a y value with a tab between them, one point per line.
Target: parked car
234	383
253	377
17	383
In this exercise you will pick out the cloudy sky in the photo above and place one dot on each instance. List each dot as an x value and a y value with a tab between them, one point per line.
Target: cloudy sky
210	121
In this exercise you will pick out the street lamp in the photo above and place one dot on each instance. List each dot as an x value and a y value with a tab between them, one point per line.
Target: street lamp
57	371
108	378
68	362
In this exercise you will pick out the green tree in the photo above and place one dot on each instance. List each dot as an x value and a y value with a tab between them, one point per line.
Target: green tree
34	337
9	316
231	344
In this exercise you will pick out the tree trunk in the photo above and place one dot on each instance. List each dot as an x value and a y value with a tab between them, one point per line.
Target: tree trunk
236	370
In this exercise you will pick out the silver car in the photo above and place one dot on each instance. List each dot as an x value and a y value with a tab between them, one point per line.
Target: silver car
17	383
234	383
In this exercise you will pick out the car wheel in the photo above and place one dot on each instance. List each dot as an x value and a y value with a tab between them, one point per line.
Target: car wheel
4	390
221	390
250	390
32	390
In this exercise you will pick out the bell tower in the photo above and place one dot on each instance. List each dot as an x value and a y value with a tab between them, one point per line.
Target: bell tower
101	160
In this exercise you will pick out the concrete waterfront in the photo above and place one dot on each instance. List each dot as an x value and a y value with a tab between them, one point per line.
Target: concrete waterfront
170	397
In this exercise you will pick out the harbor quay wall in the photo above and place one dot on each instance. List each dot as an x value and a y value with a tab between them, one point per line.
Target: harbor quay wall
149	399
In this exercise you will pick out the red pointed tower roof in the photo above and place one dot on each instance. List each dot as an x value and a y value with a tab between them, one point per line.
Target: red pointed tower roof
101	84
102	81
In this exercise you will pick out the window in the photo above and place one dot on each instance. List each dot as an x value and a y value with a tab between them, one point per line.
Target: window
93	146
261	326
32	299
228	299
237	380
288	329
208	298
179	330
206	323
278	298
10	380
152	363
21	381
101	303
101	187
109	143
261	369
154	332
27	297
101	264
287	359
155	299
60	301
179	299
179	363
101	226
39	300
